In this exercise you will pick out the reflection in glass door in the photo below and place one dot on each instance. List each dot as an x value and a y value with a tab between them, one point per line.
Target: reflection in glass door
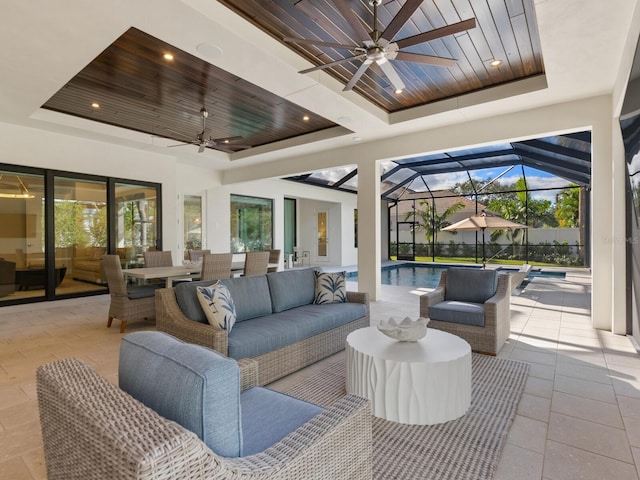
80	232
22	246
192	223
136	222
322	234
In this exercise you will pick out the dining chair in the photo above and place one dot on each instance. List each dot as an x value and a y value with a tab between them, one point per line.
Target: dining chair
274	257
158	259
256	263
127	302
216	266
196	255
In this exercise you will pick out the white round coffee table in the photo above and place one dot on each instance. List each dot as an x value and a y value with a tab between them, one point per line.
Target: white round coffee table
420	383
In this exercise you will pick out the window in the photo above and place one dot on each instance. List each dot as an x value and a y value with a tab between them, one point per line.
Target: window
251	224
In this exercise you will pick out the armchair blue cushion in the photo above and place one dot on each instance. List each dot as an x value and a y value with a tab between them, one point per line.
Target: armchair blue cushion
189	384
200	389
470	284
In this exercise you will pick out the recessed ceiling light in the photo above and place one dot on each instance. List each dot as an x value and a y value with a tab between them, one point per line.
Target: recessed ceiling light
168	56
398	91
495	63
305	118
209	50
95	105
226	140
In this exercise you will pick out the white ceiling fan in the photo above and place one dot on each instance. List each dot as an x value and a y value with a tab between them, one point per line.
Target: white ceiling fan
378	46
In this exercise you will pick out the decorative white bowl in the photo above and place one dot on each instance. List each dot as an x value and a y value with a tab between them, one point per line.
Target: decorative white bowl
406	331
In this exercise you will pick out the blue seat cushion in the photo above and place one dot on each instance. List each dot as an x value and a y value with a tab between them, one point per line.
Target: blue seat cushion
470	284
261	335
467	313
142	291
268	417
189	384
291	288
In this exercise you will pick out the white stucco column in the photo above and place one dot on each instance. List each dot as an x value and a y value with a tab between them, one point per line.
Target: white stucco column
619	253
604	237
369	228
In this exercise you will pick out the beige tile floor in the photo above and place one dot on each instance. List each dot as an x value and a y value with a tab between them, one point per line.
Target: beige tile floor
578	418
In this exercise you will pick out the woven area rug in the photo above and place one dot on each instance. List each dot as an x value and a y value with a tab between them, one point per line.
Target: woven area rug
466	448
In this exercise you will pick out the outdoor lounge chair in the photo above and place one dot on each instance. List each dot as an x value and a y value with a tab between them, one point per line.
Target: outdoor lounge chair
473	304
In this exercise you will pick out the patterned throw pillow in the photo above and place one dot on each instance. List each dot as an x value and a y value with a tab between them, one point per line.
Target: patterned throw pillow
331	287
217	305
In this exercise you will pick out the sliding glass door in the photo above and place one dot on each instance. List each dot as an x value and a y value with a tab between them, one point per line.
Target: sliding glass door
22	246
56	226
136	227
80	232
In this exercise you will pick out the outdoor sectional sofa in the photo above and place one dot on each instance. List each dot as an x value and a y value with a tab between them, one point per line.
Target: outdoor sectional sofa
278	324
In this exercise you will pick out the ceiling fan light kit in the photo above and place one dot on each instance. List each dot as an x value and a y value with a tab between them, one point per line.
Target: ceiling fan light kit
377	47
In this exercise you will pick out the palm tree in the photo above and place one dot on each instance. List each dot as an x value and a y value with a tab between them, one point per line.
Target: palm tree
428	220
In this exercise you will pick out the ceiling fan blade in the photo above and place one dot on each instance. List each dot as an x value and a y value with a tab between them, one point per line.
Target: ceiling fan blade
401	18
352	19
319	43
428	59
356	76
332	64
201	147
437	33
390	72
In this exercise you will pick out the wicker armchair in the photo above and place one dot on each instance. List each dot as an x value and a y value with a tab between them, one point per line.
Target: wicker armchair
216	266
274	257
127	303
196	255
93	429
487	337
256	263
158	259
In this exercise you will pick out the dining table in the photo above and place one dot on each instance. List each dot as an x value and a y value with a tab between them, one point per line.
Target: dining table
177	272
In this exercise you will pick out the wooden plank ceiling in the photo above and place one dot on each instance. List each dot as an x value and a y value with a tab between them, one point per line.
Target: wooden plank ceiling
138	89
506	30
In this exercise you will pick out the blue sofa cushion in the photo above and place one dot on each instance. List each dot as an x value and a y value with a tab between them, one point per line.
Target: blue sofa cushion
268	417
189	384
470	284
188	300
466	313
291	288
250	295
262	335
331	287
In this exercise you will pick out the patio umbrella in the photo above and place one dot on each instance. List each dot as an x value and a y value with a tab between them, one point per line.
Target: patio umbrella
484	222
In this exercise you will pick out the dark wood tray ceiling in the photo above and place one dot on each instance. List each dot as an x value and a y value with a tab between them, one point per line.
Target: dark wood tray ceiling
138	89
506	30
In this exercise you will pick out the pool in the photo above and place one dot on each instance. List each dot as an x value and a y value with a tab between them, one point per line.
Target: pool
409	275
416	275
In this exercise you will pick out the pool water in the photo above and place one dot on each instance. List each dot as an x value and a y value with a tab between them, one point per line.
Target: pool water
408	275
415	275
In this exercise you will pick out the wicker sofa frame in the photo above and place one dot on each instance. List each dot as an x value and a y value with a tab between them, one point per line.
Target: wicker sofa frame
272	365
93	429
497	327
